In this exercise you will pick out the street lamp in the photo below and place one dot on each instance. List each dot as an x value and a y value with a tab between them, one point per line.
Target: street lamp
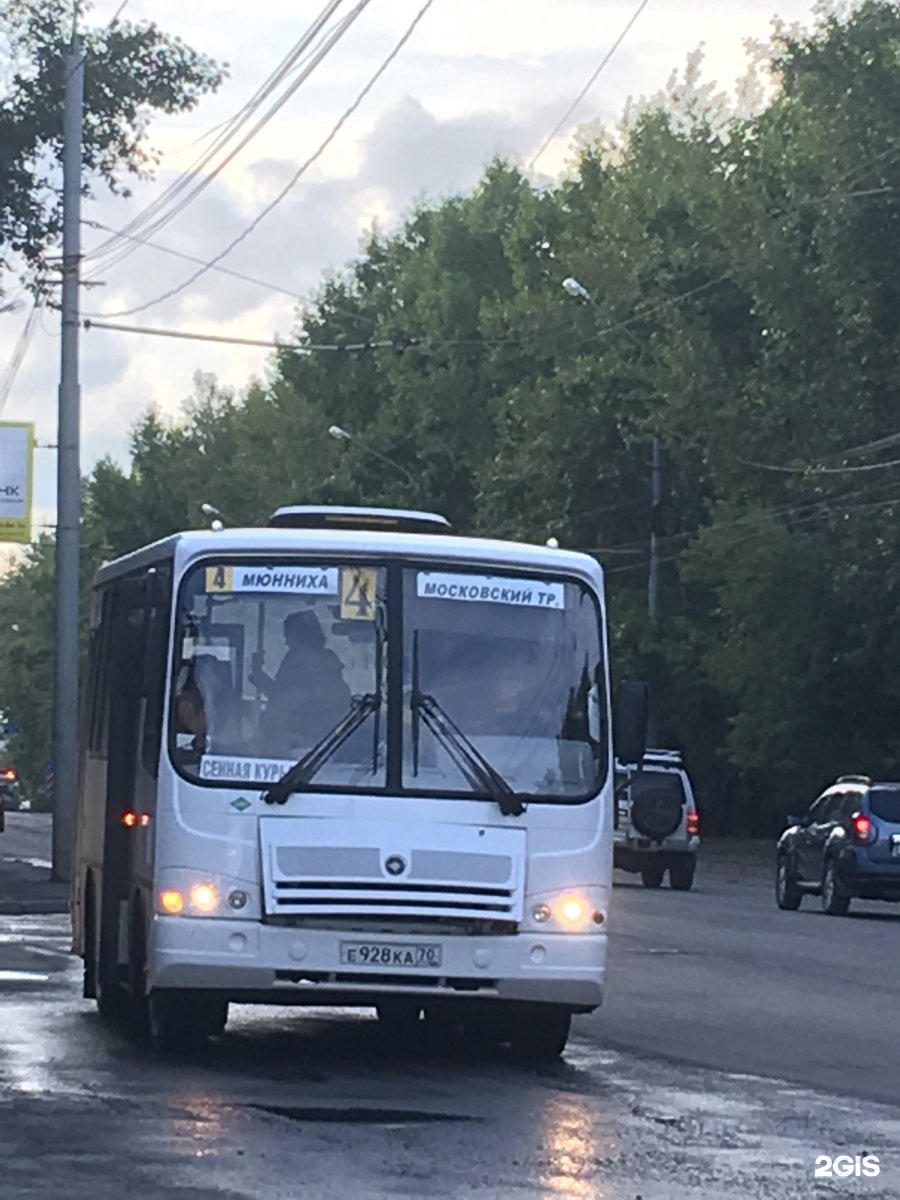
12	307
580	292
209	510
341	435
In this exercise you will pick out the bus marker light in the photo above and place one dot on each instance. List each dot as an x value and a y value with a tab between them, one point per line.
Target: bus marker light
129	818
541	913
171	901
238	899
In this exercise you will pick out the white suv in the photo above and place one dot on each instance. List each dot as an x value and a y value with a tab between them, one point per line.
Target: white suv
657	823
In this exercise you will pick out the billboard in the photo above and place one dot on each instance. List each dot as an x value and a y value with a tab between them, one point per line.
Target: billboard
16	464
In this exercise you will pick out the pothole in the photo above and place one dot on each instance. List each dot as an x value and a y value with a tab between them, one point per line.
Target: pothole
358	1116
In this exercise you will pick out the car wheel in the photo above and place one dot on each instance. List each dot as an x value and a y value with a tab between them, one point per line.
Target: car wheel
835	902
652	877
787	893
681	877
539	1032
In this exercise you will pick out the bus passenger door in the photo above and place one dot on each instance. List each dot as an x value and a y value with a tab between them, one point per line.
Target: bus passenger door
127	652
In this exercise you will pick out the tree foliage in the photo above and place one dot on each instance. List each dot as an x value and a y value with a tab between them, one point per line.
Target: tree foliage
131	71
744	310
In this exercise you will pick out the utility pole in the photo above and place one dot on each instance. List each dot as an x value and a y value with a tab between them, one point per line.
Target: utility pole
68	482
656	499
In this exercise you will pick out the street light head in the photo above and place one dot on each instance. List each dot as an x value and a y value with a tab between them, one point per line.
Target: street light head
340	435
574	288
210	510
14	306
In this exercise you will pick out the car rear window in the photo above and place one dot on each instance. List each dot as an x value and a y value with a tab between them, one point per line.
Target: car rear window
885	803
657	781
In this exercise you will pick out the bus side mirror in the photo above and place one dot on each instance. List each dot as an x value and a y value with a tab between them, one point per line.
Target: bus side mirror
631	720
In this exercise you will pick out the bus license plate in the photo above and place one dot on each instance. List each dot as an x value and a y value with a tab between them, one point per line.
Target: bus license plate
389	954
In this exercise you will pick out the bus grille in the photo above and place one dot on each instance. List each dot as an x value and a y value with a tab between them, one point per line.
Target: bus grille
426	871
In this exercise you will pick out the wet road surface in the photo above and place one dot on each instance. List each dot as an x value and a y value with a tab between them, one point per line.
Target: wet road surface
318	1105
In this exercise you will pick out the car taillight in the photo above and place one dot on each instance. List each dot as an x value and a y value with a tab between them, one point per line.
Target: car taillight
693	824
863	829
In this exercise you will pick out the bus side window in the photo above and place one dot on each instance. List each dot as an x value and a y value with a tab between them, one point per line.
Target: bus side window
98	685
156	663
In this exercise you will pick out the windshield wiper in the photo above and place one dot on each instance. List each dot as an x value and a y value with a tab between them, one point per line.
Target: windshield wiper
475	768
305	768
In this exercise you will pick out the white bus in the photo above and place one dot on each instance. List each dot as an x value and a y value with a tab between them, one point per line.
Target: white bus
347	759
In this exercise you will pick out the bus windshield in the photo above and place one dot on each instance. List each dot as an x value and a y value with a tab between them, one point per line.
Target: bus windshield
499	682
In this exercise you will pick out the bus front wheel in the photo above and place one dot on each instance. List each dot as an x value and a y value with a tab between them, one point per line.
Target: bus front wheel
181	1021
539	1032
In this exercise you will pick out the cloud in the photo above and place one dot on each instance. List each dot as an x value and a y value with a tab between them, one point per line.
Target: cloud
480	77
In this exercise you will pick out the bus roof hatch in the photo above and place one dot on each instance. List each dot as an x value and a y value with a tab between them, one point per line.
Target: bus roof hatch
397	520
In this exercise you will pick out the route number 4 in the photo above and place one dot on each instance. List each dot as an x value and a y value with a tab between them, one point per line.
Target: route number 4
358	587
844	1166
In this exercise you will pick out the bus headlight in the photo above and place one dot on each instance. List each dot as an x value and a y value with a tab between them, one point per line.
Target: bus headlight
204	897
185	893
581	910
572	910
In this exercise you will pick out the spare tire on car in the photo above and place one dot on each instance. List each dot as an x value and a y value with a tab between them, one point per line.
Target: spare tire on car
656	806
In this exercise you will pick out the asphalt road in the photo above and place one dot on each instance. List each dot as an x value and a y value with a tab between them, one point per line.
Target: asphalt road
26	839
737	1045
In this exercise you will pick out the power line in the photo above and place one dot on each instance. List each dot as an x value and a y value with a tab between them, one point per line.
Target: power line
300	297
18	355
154	216
118	13
813	470
202	182
590	83
312	348
293	181
192	258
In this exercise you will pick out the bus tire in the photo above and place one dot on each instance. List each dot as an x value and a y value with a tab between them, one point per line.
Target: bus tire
398	1017
539	1032
177	1022
89	942
112	1000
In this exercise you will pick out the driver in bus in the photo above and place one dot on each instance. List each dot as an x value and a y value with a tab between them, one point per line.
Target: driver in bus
307	696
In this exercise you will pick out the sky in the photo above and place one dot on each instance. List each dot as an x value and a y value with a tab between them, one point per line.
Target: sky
476	78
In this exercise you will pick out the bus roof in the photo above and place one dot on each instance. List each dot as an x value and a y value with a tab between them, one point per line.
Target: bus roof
185	547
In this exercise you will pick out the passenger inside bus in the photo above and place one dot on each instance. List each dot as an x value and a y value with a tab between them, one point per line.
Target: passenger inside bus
208	705
307	696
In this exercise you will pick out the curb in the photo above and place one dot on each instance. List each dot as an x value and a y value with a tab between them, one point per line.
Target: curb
23	908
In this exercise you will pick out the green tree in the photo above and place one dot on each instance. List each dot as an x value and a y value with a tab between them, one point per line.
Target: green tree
131	71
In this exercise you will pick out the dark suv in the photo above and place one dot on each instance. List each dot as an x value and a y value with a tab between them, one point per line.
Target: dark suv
846	846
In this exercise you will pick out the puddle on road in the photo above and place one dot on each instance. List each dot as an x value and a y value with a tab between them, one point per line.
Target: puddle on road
385	1117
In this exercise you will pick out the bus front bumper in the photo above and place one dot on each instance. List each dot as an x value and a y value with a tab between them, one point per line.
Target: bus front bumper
259	963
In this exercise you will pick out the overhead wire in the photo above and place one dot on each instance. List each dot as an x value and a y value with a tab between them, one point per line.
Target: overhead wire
26	337
590	83
89	323
157	213
295	178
